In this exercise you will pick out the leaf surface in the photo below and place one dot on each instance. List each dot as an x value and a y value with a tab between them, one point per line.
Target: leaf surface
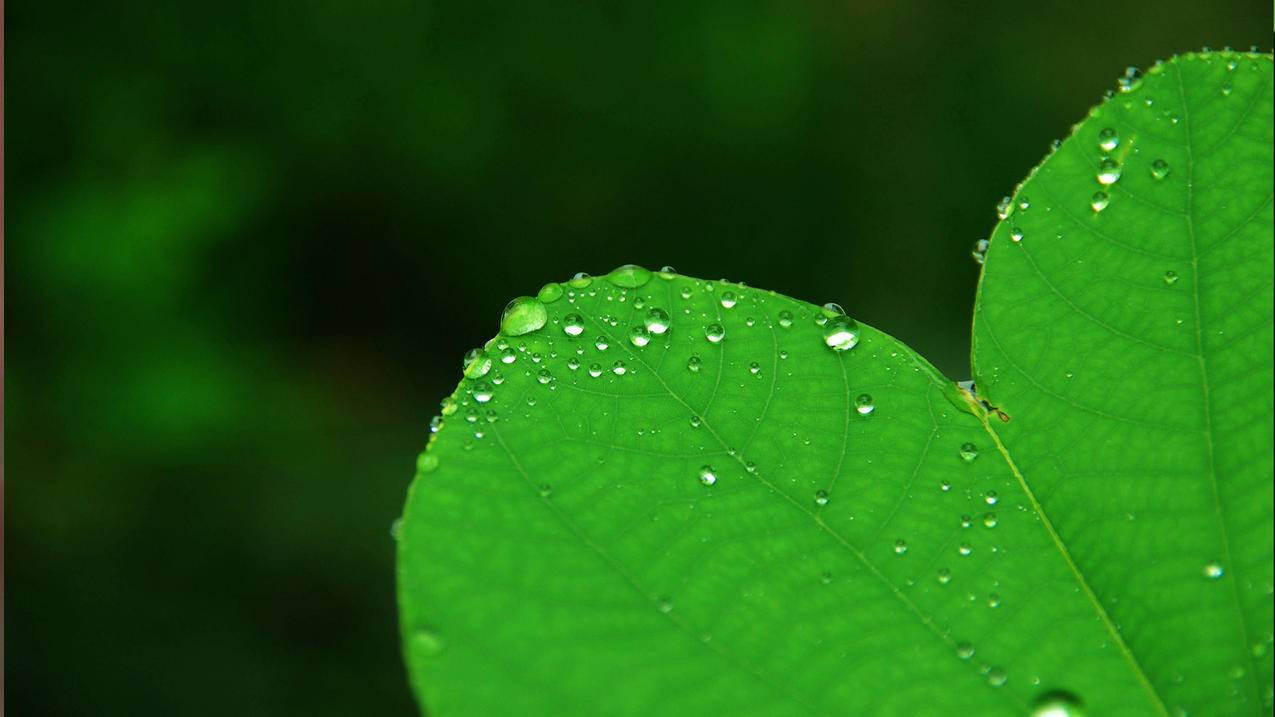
1132	348
616	519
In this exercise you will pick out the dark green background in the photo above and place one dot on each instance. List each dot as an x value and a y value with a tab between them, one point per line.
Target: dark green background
248	244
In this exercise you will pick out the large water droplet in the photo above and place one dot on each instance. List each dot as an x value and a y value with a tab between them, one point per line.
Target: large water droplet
657	321
1057	703
629	276
714	333
841	333
580	281
550	292
666	272
523	315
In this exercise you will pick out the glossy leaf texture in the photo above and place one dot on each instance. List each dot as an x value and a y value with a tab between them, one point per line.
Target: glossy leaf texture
655	494
1128	335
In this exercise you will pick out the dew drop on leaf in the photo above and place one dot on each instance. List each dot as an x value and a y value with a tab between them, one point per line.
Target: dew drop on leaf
629	276
573	324
969	452
714	333
1159	169
1099	201
1057	703
785	319
863	404
657	321
476	363
580	281
1108	139
728	300
707	475
1213	571
841	333
639	336
821	497
1108	172
694	363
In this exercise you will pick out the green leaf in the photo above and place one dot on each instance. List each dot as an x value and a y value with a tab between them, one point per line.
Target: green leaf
1132	348
689	497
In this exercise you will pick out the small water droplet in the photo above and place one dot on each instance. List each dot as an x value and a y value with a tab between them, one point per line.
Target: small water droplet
426	463
639	336
667	272
482	392
476	363
1226	89
544	377
665	605
1213	571
1170	277
1108	139
580	281
657	321
618	368
864	405
1004	207
990	497
1108	172
1024	203
1016	235
728	299
964	650
964	549
841	333
945	486
573	324
1099	201
601	343
979	252
595	369
821	497
900	547
989	520
785	319
944	576
707	475
826	578
694	363
754	368
696	421
1159	169
969	452
993	600
714	333
996	677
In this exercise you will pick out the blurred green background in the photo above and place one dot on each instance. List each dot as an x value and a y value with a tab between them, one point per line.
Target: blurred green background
248	244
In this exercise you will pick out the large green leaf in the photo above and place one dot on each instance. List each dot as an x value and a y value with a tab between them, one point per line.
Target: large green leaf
1132	348
611	519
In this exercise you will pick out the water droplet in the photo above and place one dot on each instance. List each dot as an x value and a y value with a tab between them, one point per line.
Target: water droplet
707	475
639	336
1004	207
990	497
550	292
966	521
964	650
993	600
544	377
979	252
864	405
964	549
821	497
546	490
1130	80
665	605
945	486
657	321
426	463
997	677
508	355
694	363
1057	703
900	547
833	309
1170	277
1016	235
1108	172
728	299
580	281
436	424
841	333
573	324
989	520
969	452
826	578
785	319
601	343
714	333
754	368
595	369
1226	89
944	576
482	392
1108	139
1213	571
629	276
1099	201
1159	169
1024	203
696	421
476	363
618	368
